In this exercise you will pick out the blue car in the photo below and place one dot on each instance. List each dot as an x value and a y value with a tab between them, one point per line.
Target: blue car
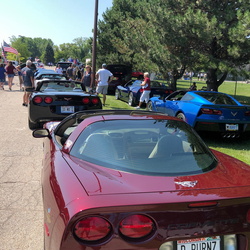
206	111
132	90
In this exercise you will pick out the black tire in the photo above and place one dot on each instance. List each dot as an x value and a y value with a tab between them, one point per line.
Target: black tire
33	125
131	99
117	94
150	106
181	116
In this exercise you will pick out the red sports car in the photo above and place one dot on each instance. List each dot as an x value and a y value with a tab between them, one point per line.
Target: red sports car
122	179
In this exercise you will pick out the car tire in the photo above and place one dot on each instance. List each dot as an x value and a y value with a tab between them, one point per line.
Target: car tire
131	99
150	106
181	116
33	125
117	94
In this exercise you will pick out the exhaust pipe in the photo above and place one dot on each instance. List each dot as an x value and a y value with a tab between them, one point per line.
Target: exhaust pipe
231	135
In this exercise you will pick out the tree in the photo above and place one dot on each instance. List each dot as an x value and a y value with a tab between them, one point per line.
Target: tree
48	55
177	35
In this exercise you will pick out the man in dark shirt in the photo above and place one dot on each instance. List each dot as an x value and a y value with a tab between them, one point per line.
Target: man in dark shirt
28	82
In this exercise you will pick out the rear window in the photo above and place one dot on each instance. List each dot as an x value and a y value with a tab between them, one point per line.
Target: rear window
59	86
217	98
146	147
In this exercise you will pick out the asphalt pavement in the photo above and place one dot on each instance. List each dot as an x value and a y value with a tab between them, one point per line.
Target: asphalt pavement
21	210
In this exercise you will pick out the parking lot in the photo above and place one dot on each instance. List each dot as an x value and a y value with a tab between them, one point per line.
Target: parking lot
21	211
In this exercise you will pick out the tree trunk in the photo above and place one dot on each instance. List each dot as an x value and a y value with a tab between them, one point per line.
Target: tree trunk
212	82
175	75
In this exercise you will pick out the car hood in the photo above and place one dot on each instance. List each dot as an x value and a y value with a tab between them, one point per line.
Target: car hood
226	180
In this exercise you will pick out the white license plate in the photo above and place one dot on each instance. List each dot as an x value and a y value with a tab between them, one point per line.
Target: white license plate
232	127
207	243
67	109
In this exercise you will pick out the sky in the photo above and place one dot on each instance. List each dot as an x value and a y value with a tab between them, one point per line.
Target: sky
60	20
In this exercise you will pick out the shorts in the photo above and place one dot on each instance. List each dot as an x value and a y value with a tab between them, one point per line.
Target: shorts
102	89
2	80
28	89
10	75
145	96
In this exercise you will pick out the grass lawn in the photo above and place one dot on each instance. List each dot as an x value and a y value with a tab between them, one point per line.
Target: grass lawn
238	148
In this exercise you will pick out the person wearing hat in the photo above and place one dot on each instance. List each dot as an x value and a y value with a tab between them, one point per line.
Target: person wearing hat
104	77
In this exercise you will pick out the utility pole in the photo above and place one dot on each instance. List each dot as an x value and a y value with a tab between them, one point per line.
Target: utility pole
94	39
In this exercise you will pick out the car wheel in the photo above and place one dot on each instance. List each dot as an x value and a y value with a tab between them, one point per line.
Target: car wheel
181	116
131	99
33	125
150	106
117	95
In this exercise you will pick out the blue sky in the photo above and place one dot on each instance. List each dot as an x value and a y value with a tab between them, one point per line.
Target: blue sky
60	20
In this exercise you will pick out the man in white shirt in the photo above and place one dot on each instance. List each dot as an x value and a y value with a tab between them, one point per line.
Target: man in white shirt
104	77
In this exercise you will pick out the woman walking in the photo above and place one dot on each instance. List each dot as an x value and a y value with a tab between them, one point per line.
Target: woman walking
10	70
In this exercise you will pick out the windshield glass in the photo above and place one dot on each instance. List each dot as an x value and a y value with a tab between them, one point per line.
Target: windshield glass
217	98
147	147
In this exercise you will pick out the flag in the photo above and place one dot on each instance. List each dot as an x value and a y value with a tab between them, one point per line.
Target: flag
7	48
4	56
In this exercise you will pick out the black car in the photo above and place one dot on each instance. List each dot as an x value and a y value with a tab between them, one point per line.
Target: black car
53	100
64	66
122	74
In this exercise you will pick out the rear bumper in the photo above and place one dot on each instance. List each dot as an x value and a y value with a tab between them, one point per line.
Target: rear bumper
221	127
53	113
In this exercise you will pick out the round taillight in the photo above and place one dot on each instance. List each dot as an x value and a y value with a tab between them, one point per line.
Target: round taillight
92	229
37	99
48	99
85	100
95	101
136	226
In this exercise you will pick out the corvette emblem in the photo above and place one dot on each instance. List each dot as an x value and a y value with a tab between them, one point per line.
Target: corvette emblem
234	114
67	99
186	183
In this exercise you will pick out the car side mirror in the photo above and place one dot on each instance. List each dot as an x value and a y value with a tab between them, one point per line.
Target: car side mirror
41	133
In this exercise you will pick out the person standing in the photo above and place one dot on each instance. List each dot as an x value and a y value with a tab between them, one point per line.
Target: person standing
104	77
69	72
2	76
59	69
146	89
20	76
10	70
28	82
88	79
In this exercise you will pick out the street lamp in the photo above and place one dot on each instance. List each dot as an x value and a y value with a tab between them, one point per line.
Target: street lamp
94	38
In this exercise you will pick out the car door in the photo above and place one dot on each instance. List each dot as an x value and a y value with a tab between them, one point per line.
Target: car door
172	102
124	90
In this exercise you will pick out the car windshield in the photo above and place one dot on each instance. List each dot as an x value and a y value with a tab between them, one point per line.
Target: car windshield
137	83
60	86
217	98
53	76
147	147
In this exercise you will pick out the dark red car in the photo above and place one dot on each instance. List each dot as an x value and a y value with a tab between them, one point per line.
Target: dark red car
122	179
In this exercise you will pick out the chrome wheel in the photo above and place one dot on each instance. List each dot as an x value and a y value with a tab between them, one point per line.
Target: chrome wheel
117	95
181	116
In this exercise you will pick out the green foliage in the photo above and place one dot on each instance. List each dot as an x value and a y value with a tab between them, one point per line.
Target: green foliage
48	55
172	36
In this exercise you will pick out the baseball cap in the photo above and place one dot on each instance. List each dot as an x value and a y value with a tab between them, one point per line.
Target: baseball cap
104	65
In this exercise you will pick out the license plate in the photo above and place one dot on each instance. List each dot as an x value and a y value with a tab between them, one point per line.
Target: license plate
208	243
232	127
67	109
